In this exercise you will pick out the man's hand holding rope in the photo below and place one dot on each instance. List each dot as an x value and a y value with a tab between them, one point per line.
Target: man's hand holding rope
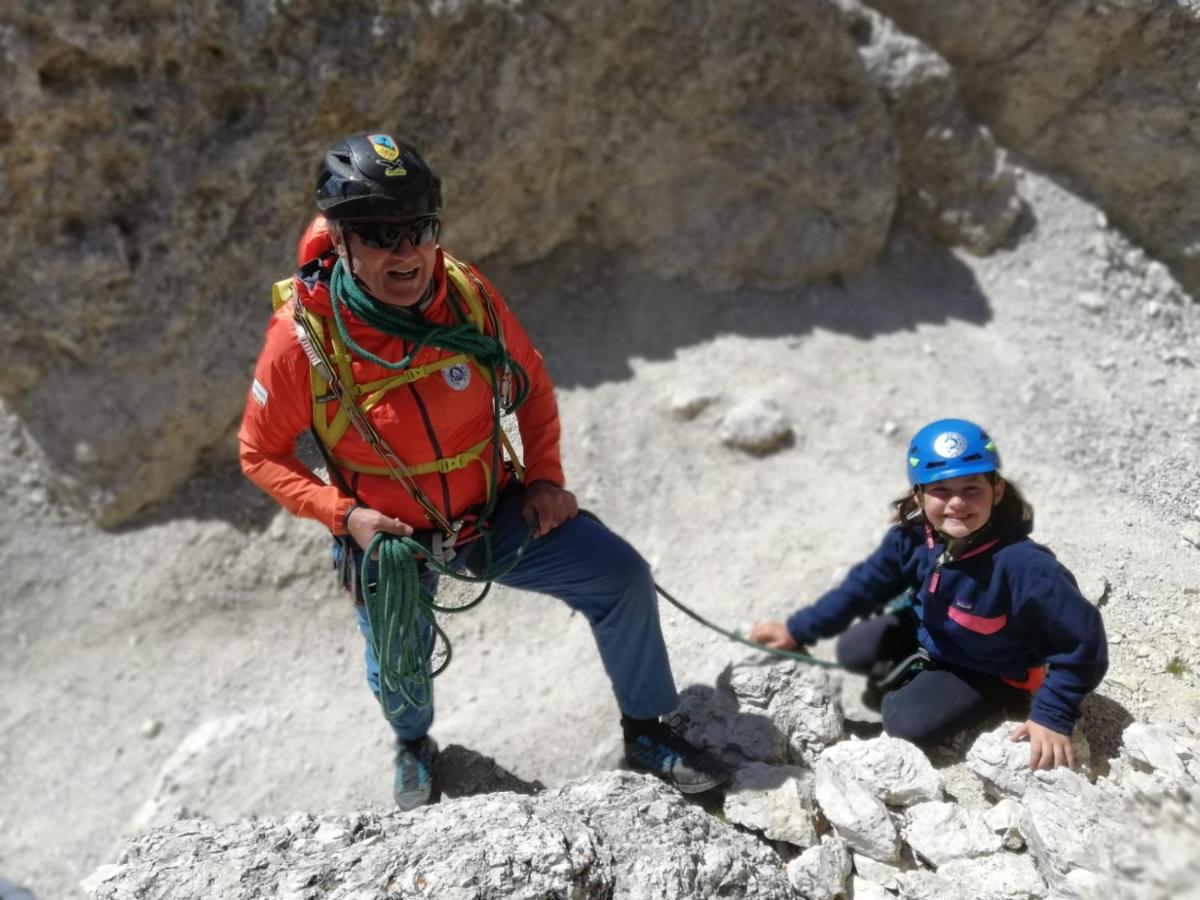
548	506
364	523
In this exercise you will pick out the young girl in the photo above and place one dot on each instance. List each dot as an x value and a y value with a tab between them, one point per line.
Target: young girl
993	615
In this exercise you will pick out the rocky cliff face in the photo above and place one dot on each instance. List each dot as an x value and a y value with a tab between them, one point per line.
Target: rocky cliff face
155	165
1102	93
817	816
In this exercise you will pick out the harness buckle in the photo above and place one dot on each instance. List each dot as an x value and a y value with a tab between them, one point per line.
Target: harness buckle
441	546
451	463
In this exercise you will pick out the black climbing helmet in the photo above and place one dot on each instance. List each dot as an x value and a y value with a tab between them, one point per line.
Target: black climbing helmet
375	176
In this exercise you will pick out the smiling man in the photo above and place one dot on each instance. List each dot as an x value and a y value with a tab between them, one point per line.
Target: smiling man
401	360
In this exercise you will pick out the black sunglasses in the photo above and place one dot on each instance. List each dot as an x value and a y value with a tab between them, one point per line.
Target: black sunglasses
390	235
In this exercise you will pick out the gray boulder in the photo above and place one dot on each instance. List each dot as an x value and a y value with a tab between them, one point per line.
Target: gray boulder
896	771
765	711
617	834
776	801
1099	93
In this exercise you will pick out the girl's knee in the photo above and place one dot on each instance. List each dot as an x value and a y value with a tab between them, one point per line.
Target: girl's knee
909	722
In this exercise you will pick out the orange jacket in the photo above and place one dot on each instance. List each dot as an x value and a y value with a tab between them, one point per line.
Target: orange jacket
438	416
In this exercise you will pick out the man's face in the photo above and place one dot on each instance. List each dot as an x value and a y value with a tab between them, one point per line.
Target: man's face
398	276
960	506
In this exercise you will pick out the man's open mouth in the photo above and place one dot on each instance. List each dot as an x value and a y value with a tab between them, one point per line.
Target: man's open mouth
406	275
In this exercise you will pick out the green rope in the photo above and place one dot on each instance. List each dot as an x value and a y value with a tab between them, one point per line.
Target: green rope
487	350
397	606
402	614
732	635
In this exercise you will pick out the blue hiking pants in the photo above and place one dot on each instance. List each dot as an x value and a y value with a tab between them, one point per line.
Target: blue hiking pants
593	571
939	701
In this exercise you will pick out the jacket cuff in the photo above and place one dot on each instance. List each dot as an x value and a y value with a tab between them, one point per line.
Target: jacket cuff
545	472
341	512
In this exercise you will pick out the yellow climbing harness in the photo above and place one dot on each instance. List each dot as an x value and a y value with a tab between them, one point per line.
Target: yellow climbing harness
332	379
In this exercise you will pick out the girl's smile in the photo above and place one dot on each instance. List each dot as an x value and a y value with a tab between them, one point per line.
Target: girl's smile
960	506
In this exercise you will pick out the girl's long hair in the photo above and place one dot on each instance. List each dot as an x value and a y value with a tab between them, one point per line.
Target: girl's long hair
1013	509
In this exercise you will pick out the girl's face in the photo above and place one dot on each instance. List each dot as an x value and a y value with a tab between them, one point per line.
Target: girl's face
960	506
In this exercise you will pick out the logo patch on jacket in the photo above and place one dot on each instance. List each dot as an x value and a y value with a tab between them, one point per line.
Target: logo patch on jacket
259	392
458	377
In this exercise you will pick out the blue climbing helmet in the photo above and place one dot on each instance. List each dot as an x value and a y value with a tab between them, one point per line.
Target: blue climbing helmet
950	448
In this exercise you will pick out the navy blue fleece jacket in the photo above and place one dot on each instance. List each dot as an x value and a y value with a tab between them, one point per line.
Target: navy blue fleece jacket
1002	611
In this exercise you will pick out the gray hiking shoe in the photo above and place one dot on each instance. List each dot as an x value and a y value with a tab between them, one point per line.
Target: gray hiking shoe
413	785
659	749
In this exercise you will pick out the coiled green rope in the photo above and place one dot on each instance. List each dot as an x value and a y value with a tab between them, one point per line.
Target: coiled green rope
397	606
402	614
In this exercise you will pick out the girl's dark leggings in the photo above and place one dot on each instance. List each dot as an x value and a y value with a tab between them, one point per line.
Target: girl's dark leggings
940	701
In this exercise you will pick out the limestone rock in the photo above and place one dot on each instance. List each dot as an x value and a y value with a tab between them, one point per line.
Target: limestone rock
617	834
144	288
1069	824
820	872
757	426
921	884
999	876
856	814
954	181
1003	765
769	712
774	800
1159	750
688	401
861	889
1099	93
1005	819
883	874
896	771
941	832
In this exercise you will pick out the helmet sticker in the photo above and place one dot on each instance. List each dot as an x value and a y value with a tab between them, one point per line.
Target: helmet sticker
458	377
949	444
384	147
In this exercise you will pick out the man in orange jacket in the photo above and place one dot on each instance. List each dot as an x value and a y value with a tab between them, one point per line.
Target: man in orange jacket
370	319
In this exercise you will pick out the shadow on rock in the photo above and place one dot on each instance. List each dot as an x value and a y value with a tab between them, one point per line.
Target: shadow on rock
590	314
460	772
1104	721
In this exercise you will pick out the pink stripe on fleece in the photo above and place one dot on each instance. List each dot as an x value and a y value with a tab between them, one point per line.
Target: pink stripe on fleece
978	624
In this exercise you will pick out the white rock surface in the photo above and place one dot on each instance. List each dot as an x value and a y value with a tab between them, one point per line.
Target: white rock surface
820	872
757	426
940	832
883	874
1003	764
1159	749
897	772
766	711
861	889
1005	819
856	814
615	834
999	876
774	800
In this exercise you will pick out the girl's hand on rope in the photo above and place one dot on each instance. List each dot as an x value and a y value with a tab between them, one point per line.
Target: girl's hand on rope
774	635
548	506
364	523
1047	748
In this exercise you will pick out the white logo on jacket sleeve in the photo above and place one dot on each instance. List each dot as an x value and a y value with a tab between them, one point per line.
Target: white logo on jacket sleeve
259	392
949	444
458	377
